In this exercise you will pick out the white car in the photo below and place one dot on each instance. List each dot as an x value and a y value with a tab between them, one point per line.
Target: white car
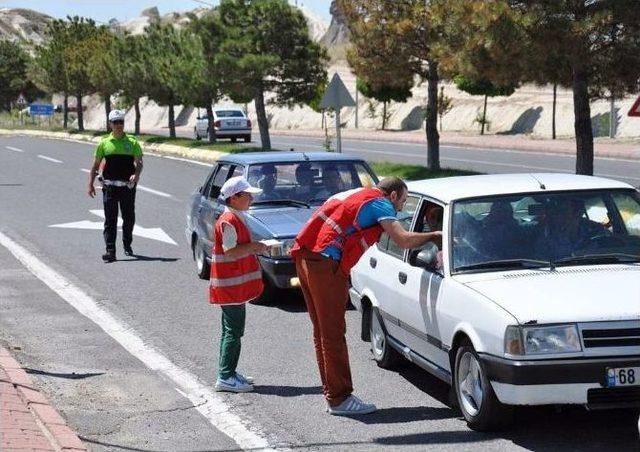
226	123
533	298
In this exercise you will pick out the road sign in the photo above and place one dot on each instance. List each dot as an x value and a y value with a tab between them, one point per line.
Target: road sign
41	110
21	100
336	96
635	109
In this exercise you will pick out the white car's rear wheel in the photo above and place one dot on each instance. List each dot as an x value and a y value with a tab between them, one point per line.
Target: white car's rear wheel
479	405
383	353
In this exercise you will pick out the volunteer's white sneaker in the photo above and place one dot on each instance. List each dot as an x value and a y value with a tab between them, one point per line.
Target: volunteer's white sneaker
245	378
352	406
232	384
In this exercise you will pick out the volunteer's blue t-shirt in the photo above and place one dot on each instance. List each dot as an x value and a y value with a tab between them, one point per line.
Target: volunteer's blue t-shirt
371	213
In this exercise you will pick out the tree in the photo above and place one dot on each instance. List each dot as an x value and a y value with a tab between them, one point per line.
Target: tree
444	105
48	69
394	39
505	40
104	68
205	88
385	94
482	88
81	33
169	62
267	49
13	74
130	51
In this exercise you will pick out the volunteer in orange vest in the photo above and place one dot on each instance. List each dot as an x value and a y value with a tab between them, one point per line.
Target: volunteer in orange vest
326	249
235	279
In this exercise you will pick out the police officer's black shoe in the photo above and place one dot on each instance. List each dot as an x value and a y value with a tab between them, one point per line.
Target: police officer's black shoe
109	256
128	251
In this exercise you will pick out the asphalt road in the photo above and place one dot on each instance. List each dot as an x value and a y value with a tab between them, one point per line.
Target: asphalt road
457	157
117	402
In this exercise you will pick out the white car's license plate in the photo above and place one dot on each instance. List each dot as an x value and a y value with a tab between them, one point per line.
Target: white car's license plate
623	376
235	123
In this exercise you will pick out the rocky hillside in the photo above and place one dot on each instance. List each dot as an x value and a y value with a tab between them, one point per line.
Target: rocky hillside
336	38
22	25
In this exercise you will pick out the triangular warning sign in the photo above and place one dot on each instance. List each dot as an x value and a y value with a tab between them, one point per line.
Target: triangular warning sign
635	109
337	95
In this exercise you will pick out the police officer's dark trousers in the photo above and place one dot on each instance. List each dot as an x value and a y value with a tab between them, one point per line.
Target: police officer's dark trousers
113	197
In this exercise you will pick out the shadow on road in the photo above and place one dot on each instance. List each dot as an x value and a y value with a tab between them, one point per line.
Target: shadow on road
69	376
288	391
139	257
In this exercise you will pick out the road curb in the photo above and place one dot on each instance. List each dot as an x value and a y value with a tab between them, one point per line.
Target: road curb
52	426
161	148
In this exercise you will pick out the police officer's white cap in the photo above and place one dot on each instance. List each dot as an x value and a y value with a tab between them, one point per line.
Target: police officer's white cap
116	115
237	185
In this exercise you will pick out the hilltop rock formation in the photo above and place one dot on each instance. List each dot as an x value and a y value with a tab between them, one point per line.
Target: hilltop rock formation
22	25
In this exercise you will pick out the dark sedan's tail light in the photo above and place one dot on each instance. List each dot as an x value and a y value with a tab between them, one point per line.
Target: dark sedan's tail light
216	123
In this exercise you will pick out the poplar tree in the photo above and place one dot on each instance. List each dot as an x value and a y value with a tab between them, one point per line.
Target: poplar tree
385	94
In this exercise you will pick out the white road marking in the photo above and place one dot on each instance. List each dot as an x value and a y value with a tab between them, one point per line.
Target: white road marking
142	187
11	148
148	233
180	159
246	434
44	157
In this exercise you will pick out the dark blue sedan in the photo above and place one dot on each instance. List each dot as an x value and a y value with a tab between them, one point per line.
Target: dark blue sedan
294	184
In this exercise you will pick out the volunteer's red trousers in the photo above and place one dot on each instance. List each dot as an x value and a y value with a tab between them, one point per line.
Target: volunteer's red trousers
326	291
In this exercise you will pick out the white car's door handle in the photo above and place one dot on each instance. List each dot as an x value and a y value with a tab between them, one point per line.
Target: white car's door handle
402	277
373	262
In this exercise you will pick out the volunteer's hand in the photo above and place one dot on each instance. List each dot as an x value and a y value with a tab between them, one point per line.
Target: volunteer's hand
92	191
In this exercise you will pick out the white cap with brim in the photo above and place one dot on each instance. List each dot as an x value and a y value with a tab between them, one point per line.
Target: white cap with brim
237	185
116	115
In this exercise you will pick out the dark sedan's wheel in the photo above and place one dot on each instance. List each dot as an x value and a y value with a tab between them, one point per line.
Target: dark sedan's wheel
479	405
384	355
202	266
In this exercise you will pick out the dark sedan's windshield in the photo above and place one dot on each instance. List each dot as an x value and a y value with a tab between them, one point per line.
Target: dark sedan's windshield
307	182
571	228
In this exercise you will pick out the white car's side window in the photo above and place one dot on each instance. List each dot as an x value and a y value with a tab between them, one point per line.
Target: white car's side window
405	216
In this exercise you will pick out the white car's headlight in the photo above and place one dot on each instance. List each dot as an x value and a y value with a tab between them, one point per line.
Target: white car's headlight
539	340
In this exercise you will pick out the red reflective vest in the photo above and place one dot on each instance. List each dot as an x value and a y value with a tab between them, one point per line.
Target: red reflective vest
328	226
238	280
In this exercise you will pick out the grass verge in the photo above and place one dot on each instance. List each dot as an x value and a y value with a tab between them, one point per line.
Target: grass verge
415	172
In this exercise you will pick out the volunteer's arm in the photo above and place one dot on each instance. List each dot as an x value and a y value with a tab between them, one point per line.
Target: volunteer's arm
246	248
407	239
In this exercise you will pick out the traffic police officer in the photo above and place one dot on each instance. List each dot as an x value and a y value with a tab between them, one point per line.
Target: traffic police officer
122	157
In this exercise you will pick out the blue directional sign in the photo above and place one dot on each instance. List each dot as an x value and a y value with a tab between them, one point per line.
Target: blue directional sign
41	110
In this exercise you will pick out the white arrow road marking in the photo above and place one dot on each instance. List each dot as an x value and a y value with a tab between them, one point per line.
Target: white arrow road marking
142	187
148	233
44	157
11	148
247	434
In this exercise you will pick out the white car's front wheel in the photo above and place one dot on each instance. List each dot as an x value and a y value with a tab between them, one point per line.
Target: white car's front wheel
479	405
385	355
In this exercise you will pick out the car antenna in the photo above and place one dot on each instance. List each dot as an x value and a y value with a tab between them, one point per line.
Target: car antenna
542	186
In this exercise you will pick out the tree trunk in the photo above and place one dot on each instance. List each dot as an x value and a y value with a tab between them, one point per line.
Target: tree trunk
431	122
582	125
263	124
212	132
484	115
107	110
384	115
65	115
80	115
172	122
553	111
136	105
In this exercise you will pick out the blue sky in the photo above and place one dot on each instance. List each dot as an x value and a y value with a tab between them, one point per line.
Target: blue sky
103	10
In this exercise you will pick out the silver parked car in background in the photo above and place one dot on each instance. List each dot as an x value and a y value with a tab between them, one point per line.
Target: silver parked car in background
231	122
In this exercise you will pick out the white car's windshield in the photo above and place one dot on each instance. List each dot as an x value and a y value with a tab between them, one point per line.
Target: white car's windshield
537	230
307	182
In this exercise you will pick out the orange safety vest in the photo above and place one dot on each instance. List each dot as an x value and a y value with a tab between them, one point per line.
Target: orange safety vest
328	226
233	281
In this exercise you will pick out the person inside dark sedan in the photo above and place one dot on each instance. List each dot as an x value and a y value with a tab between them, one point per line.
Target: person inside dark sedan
304	177
265	177
331	181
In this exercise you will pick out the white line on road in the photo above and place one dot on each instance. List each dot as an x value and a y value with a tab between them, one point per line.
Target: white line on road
180	159
44	157
211	405
11	148
142	187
